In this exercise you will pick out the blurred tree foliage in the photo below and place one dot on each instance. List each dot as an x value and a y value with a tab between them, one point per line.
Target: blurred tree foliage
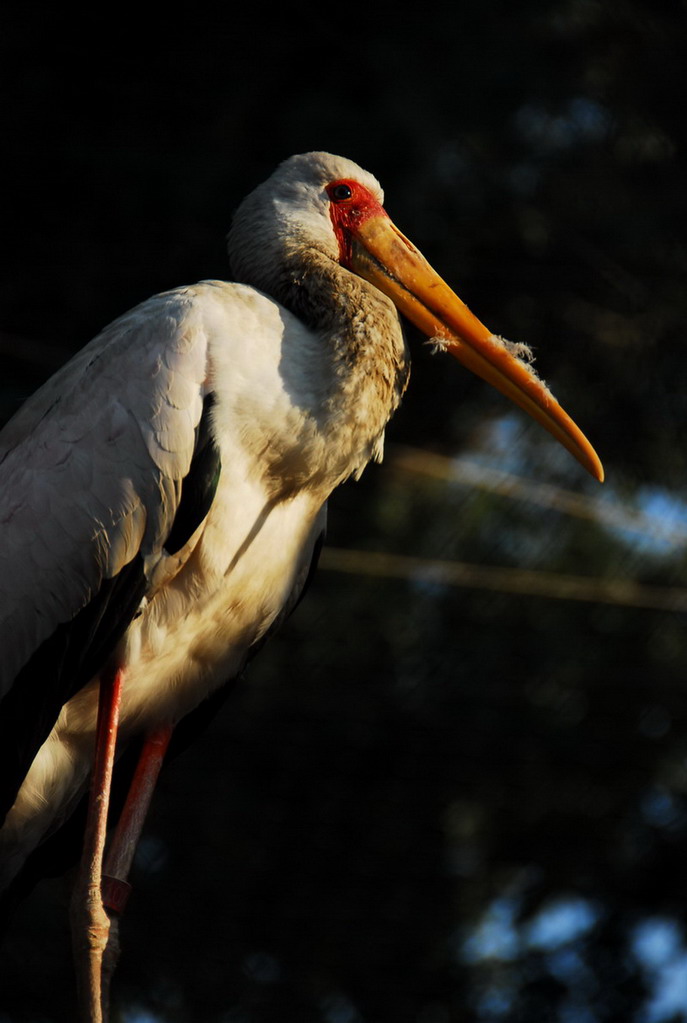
426	803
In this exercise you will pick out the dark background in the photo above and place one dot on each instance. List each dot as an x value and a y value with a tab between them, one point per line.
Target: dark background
432	799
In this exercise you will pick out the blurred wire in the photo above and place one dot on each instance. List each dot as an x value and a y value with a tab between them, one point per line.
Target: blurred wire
622	592
599	510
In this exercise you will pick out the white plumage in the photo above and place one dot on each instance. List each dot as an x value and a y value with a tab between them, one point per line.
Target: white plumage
288	380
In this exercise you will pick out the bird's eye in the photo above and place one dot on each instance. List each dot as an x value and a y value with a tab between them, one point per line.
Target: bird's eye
341	192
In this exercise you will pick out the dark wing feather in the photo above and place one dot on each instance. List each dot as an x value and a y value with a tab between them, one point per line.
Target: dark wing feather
58	668
199	486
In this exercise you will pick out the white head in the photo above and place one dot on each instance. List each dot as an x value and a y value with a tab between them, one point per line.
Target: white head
328	206
290	213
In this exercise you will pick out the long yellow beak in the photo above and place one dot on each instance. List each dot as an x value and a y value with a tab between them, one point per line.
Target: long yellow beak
386	258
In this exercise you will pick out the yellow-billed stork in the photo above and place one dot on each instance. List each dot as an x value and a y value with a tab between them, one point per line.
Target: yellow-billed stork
163	496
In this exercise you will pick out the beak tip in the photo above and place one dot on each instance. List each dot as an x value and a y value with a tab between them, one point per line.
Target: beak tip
588	459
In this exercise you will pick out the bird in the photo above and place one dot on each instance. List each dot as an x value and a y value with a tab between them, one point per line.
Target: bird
163	496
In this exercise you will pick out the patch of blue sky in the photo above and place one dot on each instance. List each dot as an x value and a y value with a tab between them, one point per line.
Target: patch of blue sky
499	936
496	935
660	809
580	120
658	945
135	1014
653	522
560	922
666	516
338	1009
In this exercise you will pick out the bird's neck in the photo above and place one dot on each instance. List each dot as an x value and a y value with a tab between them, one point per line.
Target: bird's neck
363	355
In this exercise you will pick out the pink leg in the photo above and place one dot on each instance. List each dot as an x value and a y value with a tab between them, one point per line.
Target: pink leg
123	846
90	923
115	887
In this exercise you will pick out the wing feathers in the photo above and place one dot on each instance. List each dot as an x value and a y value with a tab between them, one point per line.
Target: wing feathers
91	469
58	668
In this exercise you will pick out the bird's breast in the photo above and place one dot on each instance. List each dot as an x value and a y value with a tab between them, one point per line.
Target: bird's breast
306	407
198	630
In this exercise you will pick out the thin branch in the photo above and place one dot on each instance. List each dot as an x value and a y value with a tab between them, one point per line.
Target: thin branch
622	592
546	495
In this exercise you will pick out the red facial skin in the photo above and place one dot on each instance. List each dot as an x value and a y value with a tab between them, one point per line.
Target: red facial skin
349	213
